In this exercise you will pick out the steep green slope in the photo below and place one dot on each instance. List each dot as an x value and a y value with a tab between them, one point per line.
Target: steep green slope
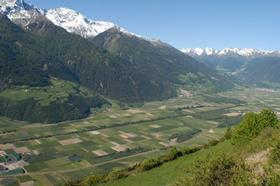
19	63
170	172
161	60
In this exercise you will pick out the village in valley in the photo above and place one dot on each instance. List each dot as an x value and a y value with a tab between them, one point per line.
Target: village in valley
13	160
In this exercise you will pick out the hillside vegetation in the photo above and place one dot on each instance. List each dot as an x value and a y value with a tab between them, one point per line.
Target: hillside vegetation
61	100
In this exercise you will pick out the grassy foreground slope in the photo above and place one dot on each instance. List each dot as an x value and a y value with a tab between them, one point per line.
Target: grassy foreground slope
169	172
249	155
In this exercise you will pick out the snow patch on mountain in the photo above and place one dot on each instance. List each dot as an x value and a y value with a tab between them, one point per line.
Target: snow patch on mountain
75	22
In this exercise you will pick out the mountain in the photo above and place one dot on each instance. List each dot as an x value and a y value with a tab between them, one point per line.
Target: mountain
161	60
228	59
19	11
22	13
75	22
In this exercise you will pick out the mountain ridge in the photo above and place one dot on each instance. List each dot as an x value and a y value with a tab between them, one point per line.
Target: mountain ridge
245	52
252	66
72	21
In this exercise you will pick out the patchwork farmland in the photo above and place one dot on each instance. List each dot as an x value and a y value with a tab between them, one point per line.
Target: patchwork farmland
117	137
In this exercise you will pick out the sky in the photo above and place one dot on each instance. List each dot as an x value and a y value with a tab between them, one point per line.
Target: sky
188	23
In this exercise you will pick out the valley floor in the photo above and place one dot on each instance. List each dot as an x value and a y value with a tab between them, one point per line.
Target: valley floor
118	137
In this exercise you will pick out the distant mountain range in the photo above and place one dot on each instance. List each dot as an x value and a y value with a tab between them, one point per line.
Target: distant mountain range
253	66
245	52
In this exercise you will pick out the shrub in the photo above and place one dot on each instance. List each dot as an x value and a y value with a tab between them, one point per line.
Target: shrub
273	180
217	170
149	164
228	134
172	155
115	175
91	181
252	124
190	150
275	154
213	142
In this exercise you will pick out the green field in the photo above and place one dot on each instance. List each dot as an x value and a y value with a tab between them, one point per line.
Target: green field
59	90
118	136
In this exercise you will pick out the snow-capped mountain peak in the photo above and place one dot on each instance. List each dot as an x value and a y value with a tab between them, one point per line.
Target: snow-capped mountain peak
11	6
75	22
200	51
19	11
246	52
23	14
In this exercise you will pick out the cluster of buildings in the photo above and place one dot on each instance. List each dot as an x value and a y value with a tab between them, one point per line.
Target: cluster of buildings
11	161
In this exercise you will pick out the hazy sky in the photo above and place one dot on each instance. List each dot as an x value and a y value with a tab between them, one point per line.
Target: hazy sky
188	23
